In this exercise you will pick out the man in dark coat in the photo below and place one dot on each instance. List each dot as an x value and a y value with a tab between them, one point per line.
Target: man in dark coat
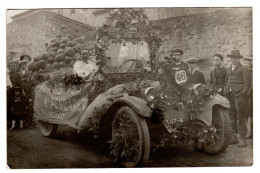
218	76
194	76
238	85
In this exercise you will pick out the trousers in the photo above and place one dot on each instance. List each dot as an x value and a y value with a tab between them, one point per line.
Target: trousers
237	114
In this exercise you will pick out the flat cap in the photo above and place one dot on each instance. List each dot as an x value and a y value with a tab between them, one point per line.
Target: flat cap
192	60
177	50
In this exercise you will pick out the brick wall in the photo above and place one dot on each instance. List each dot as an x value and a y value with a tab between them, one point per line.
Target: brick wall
28	35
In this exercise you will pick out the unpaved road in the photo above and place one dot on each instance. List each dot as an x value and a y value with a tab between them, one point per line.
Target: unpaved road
29	149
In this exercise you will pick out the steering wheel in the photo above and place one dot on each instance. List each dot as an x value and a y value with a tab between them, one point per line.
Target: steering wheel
122	66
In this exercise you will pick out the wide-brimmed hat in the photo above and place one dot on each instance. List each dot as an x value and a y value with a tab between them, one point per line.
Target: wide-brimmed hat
192	60
177	50
235	53
22	62
247	58
22	57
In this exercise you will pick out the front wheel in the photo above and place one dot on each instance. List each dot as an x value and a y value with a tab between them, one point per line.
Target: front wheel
48	129
223	135
130	143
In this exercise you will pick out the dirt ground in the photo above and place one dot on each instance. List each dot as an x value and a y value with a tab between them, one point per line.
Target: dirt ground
29	149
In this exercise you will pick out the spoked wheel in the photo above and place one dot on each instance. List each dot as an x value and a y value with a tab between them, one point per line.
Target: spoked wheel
220	140
130	143
48	129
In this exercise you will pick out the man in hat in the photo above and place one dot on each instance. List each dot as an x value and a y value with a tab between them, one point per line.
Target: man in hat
26	58
218	75
238	85
176	56
194	75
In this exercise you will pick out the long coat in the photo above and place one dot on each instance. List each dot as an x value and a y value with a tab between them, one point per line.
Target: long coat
218	78
238	81
195	78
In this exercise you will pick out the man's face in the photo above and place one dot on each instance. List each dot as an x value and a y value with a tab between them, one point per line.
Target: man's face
26	58
248	63
13	67
217	61
23	67
192	65
234	60
177	56
84	55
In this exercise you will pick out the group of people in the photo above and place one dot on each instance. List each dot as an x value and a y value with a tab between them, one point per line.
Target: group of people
20	93
233	82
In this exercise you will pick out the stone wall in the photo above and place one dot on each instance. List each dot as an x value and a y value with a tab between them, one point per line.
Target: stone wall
203	35
28	35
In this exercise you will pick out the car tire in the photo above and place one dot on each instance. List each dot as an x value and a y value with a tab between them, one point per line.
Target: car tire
221	121
142	132
48	129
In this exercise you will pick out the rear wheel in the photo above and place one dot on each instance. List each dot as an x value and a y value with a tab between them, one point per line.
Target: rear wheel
130	143
48	129
221	139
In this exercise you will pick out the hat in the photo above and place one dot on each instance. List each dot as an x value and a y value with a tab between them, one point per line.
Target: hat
235	53
192	60
177	50
247	58
22	62
22	57
219	55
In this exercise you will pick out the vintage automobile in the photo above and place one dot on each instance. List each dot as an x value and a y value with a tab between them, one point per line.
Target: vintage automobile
136	110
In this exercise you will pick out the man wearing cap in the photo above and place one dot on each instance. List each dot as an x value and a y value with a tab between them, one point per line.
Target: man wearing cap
194	76
177	62
218	75
26	58
238	85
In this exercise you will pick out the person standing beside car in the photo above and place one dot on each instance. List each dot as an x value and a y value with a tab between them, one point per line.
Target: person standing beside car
218	76
194	75
177	62
238	84
249	103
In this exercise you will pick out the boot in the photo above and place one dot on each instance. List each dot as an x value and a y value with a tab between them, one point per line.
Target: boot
241	141
13	125
234	140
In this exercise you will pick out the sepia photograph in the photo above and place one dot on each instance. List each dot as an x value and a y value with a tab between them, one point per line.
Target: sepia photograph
129	87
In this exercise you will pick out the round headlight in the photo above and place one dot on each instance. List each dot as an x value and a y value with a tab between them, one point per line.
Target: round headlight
150	94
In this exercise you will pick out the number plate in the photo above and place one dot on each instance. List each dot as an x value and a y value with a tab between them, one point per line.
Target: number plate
181	77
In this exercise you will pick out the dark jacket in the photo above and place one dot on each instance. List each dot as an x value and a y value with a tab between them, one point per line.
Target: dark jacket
195	78
218	78
238	80
182	66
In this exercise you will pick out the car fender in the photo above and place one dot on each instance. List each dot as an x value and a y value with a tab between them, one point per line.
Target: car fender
138	105
206	115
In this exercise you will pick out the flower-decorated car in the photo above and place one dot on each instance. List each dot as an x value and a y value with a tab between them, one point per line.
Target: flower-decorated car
137	110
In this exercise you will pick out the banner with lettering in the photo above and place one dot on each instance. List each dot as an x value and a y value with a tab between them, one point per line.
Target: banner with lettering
59	105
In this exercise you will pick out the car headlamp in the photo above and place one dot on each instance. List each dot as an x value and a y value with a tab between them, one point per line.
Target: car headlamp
150	94
197	88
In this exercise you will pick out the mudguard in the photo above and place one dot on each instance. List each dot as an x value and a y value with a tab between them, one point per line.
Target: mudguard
206	115
138	105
